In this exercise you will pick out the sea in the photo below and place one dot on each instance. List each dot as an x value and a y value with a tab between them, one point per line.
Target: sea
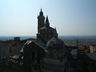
4	38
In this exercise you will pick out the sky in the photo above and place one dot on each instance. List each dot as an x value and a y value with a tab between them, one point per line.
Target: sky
69	17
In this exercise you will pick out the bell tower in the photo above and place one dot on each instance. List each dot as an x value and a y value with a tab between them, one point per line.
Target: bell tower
41	19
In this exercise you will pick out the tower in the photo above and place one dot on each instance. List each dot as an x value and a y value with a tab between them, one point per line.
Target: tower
41	19
47	22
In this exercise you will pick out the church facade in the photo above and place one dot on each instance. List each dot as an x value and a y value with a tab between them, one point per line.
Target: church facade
45	32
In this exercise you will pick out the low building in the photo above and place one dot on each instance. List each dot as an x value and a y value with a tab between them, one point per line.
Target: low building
84	49
4	51
92	48
16	38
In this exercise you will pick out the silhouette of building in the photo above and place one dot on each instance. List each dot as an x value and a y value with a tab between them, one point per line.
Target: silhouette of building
46	46
45	32
16	38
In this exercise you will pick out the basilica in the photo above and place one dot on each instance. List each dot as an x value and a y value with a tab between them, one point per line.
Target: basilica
45	32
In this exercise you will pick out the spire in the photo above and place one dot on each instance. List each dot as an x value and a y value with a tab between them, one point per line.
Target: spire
41	9
47	21
41	12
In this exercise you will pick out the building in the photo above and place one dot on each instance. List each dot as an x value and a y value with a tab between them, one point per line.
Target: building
16	38
4	51
47	46
92	48
83	49
45	32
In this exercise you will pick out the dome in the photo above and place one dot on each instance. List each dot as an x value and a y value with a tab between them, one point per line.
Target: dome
55	43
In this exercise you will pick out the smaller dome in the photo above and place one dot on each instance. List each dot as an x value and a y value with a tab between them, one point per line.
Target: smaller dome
55	43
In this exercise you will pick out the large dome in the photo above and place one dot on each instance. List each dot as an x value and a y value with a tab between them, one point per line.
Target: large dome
55	43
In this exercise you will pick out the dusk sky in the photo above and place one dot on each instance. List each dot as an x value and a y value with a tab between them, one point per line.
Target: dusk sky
69	17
